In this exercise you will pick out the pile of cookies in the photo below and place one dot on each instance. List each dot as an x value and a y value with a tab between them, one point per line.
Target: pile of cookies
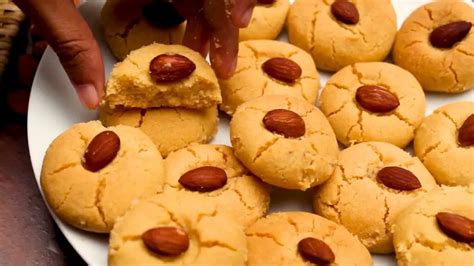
208	204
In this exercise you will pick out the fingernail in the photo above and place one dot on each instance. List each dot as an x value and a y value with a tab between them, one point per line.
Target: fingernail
246	17
87	95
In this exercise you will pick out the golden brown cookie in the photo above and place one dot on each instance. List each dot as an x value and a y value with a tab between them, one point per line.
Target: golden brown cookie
373	183
340	38
277	240
212	171
445	66
91	174
373	102
267	20
129	25
169	128
442	143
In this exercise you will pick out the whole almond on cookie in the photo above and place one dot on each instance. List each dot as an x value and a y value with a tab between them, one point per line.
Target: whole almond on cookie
376	99
284	122
171	68
345	11
282	69
398	178
315	251
204	179
101	151
466	132
447	35
457	227
167	241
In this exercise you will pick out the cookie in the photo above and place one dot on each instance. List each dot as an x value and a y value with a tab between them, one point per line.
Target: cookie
177	229
169	128
161	75
439	144
373	183
373	102
267	21
91	174
129	25
287	142
269	68
420	236
336	38
440	63
276	240
213	171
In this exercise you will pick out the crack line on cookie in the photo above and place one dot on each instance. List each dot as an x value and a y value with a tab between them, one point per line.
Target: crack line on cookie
98	199
264	148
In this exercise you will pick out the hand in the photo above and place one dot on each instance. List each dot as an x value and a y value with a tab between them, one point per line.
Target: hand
216	22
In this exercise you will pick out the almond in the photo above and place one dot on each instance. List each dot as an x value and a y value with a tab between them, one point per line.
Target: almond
101	151
315	251
204	179
457	227
171	67
466	132
345	11
167	241
447	35
284	122
376	99
282	69
398	178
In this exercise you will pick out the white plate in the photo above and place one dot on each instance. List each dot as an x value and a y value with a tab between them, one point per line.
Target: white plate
54	107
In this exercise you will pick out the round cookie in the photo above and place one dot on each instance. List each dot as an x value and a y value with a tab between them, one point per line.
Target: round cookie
335	44
267	21
169	128
243	195
214	237
437	69
357	198
273	240
349	115
436	144
129	25
301	155
418	237
93	199
251	81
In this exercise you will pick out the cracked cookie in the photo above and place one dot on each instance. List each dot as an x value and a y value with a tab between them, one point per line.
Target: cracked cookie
194	231
196	169
161	75
267	21
373	102
275	240
372	184
266	67
129	25
285	141
438	66
419	234
437	144
91	174
336	38
169	128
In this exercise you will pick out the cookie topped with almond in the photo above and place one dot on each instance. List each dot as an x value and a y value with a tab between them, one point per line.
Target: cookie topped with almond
373	102
372	184
270	68
213	171
161	75
301	238
285	141
437	229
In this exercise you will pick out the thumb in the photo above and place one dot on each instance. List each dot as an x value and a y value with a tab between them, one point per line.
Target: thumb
72	40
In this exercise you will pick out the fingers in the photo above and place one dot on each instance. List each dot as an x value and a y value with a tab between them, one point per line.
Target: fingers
241	12
70	37
196	35
224	39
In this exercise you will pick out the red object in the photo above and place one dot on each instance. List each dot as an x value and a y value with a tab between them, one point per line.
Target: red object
18	101
27	66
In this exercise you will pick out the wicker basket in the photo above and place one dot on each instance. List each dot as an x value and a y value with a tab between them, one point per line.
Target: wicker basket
10	20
